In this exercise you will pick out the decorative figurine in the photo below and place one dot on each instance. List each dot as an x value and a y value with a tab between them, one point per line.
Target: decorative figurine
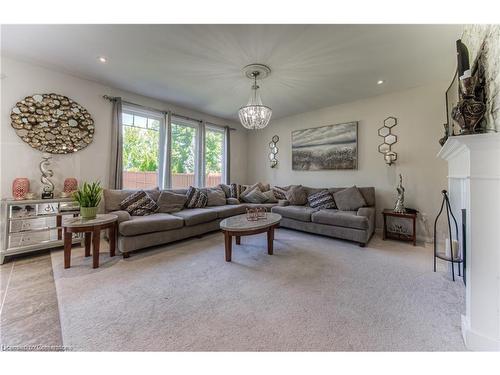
20	187
400	203
48	188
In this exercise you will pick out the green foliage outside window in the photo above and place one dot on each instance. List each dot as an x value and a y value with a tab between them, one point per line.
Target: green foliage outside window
141	145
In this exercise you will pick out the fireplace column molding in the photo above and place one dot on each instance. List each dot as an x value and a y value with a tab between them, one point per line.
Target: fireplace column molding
474	185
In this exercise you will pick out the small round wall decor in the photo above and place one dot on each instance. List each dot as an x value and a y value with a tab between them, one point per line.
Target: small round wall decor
52	123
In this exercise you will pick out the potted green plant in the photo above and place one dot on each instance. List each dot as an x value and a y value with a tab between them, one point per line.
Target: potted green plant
88	196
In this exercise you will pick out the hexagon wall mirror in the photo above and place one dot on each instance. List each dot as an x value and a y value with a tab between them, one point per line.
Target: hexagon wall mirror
389	140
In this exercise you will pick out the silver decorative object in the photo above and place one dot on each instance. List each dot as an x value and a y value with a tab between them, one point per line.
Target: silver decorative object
389	139
48	188
274	151
400	203
52	123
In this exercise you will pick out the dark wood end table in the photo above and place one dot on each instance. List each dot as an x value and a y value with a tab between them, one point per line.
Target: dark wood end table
238	226
410	214
92	232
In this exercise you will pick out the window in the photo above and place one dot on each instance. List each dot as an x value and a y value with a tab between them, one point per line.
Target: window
214	155
177	155
141	148
184	153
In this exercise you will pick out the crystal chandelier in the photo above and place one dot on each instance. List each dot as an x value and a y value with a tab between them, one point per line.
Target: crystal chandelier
255	115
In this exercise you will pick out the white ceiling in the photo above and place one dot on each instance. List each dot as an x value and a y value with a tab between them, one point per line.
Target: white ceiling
199	66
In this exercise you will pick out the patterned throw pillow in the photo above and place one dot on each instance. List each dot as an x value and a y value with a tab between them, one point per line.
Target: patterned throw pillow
235	191
226	189
322	200
279	192
270	196
139	204
196	198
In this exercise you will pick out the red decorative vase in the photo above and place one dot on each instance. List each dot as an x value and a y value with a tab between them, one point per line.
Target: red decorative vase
70	185
20	187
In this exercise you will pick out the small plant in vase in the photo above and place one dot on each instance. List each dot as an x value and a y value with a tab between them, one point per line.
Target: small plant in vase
88	197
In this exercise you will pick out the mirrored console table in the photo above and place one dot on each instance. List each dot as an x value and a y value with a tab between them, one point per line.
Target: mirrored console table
31	225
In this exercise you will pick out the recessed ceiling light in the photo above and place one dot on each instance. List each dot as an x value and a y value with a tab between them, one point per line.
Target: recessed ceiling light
103	59
379	82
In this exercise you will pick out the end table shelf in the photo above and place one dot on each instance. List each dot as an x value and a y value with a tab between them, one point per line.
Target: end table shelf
410	214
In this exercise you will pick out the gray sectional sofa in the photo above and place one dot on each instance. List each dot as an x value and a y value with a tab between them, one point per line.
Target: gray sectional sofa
138	232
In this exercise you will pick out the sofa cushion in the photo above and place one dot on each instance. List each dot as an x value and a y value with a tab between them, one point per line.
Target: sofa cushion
349	199
139	204
196	198
229	210
113	197
216	196
302	213
149	224
348	219
193	216
169	202
296	195
321	199
255	196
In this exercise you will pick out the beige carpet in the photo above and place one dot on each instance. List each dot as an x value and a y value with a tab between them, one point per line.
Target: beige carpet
314	294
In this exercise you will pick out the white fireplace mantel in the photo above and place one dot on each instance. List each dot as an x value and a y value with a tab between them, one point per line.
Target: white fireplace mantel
474	185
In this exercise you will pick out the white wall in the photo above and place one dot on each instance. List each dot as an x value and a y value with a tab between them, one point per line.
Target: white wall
18	159
420	113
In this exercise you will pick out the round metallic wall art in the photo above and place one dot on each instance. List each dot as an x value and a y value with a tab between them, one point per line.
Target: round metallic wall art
52	123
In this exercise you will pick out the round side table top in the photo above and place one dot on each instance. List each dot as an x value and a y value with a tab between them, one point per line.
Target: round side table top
79	222
240	223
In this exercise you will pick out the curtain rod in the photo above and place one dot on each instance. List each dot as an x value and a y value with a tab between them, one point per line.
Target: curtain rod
113	98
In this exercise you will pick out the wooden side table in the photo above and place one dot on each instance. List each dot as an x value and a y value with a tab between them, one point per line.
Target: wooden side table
92	232
410	214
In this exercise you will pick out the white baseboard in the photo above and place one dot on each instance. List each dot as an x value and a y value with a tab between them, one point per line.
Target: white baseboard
476	341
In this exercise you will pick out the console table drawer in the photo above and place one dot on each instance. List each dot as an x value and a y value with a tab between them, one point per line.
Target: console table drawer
32	224
31	238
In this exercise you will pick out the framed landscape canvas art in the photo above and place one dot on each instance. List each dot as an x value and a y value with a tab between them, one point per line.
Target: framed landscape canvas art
326	147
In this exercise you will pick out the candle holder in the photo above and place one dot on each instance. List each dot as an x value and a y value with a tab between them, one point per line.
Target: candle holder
452	246
254	214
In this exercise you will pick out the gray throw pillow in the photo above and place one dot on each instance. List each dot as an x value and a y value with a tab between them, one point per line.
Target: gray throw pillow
196	198
170	202
255	196
349	199
232	201
226	189
247	191
296	195
270	196
216	197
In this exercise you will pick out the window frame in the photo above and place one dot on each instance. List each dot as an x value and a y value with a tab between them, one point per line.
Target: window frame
166	119
154	115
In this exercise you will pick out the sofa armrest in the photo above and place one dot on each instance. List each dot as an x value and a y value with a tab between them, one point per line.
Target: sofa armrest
122	215
368	212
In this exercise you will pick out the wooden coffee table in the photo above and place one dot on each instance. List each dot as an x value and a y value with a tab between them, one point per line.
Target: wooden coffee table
238	226
92	229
